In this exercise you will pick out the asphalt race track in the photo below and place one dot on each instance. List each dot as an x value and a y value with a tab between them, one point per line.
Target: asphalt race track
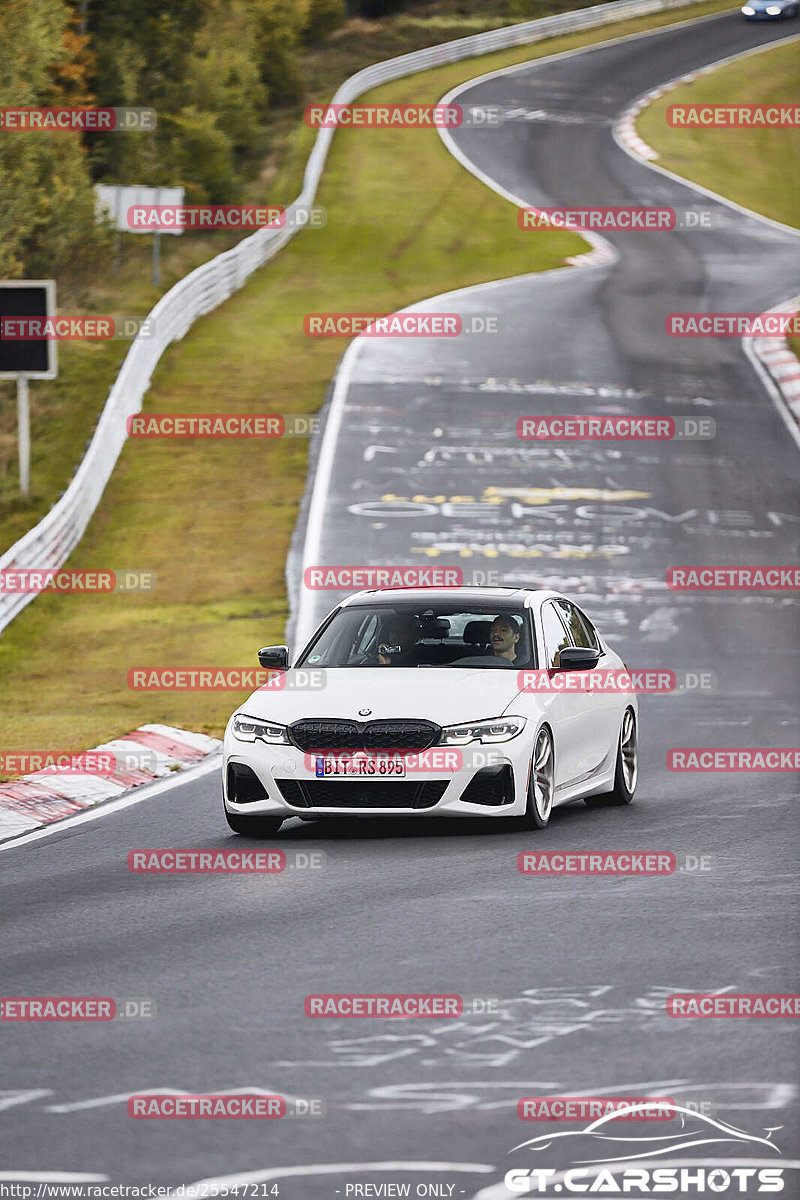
581	966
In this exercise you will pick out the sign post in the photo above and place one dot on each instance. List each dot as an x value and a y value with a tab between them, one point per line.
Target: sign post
24	435
24	358
113	202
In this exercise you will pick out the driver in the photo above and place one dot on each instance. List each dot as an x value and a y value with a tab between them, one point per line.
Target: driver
404	632
503	636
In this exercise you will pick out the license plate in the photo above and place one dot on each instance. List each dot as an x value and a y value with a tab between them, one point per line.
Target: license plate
329	766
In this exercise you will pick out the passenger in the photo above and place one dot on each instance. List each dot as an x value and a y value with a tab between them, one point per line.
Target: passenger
504	636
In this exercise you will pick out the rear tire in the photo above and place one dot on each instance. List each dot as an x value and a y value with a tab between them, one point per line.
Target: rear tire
541	783
254	827
627	770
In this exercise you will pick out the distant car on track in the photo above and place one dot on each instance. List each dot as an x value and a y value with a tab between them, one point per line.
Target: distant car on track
425	711
770	10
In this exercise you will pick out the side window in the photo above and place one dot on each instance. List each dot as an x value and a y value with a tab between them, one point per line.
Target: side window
581	631
555	636
591	632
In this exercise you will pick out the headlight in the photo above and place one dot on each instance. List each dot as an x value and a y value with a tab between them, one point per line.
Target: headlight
502	729
774	10
251	729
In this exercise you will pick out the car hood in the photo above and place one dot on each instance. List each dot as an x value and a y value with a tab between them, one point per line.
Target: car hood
445	695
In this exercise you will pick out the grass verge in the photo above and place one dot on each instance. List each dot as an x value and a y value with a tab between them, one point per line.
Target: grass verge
213	520
758	168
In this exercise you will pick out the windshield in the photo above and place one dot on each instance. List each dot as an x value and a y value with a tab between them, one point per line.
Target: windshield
424	635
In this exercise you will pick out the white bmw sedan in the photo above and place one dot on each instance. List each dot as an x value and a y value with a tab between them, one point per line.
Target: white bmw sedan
459	702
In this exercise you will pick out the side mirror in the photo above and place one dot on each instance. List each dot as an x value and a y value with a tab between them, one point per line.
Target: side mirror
274	658
578	658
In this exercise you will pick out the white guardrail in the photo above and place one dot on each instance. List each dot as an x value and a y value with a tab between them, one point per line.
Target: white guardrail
50	543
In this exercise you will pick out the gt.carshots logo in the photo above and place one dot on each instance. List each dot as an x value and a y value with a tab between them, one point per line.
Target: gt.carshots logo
391	1005
619	1163
760	758
733	579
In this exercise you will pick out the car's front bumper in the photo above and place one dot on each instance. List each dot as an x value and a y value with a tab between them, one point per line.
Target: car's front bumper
482	781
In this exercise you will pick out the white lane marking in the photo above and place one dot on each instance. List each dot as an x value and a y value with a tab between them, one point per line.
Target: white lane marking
303	624
244	1178
146	792
9	1099
51	1177
603	252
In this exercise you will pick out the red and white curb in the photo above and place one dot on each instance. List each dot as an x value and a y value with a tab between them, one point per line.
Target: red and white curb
625	128
149	753
780	363
626	125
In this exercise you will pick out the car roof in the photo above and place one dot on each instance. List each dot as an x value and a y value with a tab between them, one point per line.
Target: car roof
527	597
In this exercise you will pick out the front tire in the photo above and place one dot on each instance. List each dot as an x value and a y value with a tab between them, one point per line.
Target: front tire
254	827
627	770
541	783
